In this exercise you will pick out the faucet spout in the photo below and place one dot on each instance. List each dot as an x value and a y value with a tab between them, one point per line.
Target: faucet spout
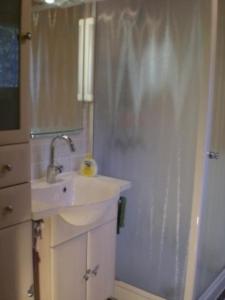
53	170
70	142
52	146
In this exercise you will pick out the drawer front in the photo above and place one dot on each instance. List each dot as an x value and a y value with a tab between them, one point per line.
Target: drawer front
15	205
14	165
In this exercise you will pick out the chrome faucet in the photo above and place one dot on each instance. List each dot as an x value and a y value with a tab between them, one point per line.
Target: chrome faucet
53	170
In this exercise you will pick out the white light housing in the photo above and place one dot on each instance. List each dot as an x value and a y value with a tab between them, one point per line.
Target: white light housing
49	1
86	60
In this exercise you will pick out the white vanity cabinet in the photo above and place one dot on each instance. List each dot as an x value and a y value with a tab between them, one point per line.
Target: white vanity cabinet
16	262
69	265
78	262
84	268
78	244
101	260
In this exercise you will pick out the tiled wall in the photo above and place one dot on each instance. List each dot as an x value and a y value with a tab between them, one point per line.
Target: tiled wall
40	151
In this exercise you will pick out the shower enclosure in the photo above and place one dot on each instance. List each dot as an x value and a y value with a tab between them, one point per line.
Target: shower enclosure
159	110
211	254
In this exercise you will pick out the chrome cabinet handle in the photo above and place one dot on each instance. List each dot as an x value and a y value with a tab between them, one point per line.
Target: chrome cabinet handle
59	169
9	209
213	155
90	273
87	275
95	270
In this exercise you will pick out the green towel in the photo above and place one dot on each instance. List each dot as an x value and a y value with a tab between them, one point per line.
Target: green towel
121	213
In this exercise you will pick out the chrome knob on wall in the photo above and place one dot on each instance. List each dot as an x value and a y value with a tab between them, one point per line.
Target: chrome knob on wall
213	155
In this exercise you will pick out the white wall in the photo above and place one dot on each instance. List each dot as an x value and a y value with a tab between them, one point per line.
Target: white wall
40	151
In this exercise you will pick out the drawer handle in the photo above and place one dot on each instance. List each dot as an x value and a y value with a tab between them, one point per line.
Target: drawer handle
9	209
7	168
27	36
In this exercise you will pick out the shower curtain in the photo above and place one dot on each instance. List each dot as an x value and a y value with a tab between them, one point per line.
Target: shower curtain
151	71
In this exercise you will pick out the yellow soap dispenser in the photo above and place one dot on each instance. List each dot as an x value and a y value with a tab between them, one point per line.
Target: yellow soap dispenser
88	166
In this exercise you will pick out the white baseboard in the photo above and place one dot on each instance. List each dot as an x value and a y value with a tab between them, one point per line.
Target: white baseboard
125	291
215	289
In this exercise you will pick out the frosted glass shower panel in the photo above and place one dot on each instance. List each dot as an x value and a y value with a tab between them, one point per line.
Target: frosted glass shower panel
151	71
211	256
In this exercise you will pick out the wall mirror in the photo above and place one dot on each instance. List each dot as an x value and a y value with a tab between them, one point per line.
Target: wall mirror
62	58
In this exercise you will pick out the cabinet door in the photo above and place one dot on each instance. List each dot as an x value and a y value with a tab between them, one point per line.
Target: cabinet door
16	262
101	260
68	269
14	50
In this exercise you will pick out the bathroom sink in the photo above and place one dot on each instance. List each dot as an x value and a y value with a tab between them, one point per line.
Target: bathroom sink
94	197
78	200
47	197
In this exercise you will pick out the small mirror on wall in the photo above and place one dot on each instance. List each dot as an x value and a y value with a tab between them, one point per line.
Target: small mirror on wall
61	66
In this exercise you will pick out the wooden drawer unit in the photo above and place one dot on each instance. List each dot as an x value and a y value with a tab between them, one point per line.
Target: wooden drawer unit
14	164
15	205
16	274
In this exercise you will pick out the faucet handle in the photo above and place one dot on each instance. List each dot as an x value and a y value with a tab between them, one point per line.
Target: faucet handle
59	169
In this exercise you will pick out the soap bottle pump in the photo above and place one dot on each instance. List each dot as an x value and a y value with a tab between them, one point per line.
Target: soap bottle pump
88	166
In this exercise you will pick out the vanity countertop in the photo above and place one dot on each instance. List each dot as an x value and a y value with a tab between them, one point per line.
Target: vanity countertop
73	190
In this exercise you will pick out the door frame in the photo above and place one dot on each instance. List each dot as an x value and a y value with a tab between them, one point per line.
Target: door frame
201	165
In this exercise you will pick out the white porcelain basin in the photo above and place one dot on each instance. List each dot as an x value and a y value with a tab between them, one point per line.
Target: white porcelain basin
85	201
46	196
94	197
